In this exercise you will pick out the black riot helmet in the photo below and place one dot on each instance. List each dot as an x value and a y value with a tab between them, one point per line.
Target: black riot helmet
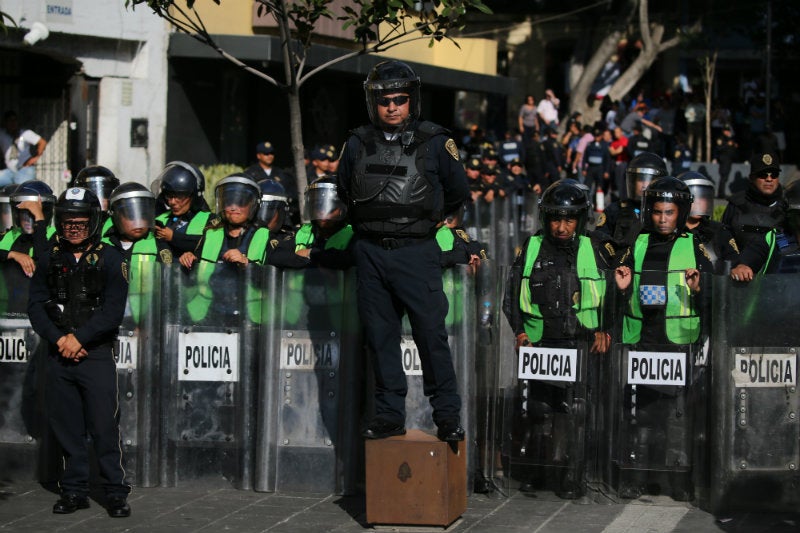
703	192
240	191
132	210
183	178
389	77
274	201
31	191
666	189
6	218
641	170
98	179
78	202
323	202
564	198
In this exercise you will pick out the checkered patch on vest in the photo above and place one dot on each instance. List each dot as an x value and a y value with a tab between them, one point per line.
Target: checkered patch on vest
652	295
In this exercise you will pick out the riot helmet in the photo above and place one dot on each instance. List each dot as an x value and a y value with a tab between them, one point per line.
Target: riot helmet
389	77
77	202
237	198
6	217
274	201
667	189
703	192
565	198
98	179
132	210
183	179
323	202
641	170
31	191
791	195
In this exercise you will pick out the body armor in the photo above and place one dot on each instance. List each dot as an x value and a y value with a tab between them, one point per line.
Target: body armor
394	193
76	289
751	219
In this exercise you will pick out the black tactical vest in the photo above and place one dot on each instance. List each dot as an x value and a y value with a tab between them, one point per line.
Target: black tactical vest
76	289
394	193
554	285
752	220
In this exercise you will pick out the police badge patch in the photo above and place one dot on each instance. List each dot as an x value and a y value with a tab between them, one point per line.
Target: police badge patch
600	220
463	235
733	245
705	252
451	148
273	243
125	271
165	256
767	159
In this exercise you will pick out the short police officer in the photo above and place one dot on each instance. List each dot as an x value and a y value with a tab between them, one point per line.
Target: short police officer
622	218
327	240
273	214
28	239
398	177
77	300
182	226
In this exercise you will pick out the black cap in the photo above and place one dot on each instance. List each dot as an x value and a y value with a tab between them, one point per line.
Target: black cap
762	163
265	148
474	163
486	169
515	162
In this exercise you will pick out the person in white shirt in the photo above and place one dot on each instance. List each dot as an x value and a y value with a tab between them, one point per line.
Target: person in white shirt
548	109
21	149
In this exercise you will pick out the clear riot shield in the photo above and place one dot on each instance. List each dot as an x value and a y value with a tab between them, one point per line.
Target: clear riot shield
461	320
481	222
755	428
548	389
24	432
654	429
209	373
309	402
138	367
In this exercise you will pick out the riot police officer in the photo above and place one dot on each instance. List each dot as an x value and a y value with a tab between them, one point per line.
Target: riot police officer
663	309
398	176
233	239
5	206
98	179
752	213
31	205
682	156
272	214
597	163
327	240
622	220
554	299
77	300
713	237
724	152
132	208
182	226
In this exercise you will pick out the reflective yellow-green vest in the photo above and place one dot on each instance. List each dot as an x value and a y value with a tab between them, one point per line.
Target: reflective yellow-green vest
212	245
451	280
591	279
14	233
338	241
141	275
196	225
682	322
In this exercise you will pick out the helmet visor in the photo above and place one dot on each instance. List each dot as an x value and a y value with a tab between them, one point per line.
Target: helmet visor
133	217
270	206
237	197
323	203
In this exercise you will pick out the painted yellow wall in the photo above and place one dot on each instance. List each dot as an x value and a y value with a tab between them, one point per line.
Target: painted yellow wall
235	17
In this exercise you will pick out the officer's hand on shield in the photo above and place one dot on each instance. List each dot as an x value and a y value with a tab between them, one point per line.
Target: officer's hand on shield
522	340
622	275
742	273
602	342
474	262
693	279
303	252
25	261
187	259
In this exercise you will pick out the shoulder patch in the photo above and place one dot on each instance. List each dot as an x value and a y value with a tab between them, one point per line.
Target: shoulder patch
165	256
483	254
214	222
462	235
273	243
451	148
600	220
125	270
702	248
732	242
610	249
92	259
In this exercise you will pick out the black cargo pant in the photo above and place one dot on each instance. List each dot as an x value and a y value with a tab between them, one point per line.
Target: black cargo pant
398	276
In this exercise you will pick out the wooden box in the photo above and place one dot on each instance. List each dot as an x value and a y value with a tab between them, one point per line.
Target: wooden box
415	479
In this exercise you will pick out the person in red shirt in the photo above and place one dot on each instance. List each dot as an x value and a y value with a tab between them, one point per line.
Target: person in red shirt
619	154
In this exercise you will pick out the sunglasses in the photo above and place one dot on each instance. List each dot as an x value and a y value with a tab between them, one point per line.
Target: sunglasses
75	226
384	101
767	177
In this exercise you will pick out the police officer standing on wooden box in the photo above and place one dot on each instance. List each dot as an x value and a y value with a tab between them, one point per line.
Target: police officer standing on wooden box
399	176
76	304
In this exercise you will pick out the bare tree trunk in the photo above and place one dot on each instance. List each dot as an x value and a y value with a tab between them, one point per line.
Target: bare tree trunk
296	130
709	67
580	92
